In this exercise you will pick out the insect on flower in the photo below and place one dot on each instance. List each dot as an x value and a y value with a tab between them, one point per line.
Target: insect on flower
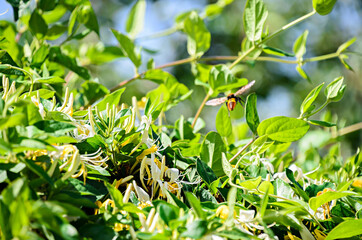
231	99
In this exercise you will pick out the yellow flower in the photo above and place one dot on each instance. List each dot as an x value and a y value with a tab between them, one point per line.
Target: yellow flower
223	212
326	208
357	183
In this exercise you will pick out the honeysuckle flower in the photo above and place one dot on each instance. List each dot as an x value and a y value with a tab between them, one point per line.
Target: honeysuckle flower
67	106
6	90
247	221
256	160
71	158
160	176
36	101
223	212
300	174
83	131
146	121
102	207
324	211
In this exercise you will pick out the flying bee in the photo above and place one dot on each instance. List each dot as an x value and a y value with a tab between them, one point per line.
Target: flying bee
232	99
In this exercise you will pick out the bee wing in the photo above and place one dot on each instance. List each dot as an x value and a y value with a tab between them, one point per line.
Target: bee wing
245	88
216	101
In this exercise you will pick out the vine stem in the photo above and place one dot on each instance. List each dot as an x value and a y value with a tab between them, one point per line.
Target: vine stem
200	109
318	110
285	27
225	58
349	129
26	72
241	150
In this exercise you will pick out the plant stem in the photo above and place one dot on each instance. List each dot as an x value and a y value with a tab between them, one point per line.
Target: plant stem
318	110
200	109
241	150
349	129
159	34
27	73
322	57
225	58
285	27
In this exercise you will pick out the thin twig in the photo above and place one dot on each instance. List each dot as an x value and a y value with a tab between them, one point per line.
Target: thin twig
241	150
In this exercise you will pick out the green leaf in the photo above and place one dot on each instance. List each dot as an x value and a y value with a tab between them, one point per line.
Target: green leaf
251	184
283	189
346	229
37	25
205	172
342	58
198	37
246	44
47	5
211	150
260	145
56	55
302	73
221	79
266	187
116	195
111	99
196	229
309	100
50	80
255	15
223	122
299	45
175	201
323	7
297	187
167	212
87	17
136	18
5	61
251	113
43	93
39	56
127	47
12	121
283	129
316	202
226	166
195	204
345	45
322	123
93	91
38	171
276	52
334	91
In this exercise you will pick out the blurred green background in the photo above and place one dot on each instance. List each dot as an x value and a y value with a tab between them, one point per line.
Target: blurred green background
279	87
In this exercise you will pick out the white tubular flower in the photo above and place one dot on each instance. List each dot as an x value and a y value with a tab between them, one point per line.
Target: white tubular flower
255	159
300	174
144	135
36	101
67	106
246	220
143	196
69	155
83	131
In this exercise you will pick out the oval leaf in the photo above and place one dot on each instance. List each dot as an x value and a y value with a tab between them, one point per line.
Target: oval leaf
223	122
283	129
323	7
346	229
309	99
254	18
251	113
